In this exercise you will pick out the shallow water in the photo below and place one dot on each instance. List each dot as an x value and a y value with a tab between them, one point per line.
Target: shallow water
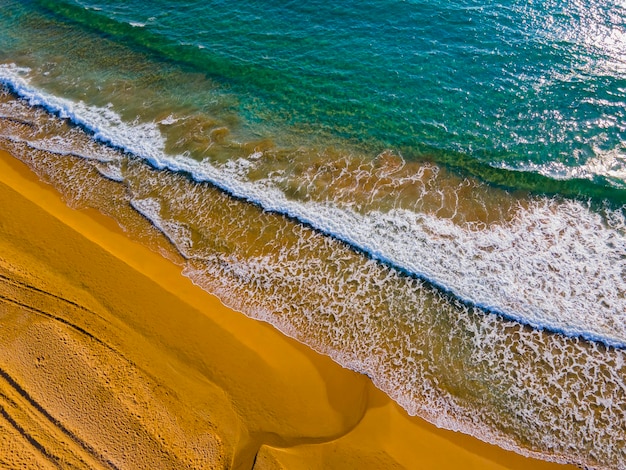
432	194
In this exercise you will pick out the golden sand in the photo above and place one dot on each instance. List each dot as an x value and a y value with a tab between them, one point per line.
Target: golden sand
110	358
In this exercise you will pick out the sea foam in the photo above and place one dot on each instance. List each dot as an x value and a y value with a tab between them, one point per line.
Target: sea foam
557	265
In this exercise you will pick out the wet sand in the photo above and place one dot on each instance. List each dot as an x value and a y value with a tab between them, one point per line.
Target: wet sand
110	358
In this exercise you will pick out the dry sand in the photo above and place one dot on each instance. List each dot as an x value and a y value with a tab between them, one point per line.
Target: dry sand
110	358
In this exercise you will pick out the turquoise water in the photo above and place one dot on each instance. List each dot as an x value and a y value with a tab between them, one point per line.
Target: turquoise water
454	174
522	85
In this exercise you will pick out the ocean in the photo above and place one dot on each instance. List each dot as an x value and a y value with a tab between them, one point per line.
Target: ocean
432	193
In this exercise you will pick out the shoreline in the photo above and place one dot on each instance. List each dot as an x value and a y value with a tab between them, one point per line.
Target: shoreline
196	382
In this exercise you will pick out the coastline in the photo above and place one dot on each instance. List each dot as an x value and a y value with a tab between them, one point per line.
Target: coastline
110	347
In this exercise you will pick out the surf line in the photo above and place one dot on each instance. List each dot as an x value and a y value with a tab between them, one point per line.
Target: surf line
144	141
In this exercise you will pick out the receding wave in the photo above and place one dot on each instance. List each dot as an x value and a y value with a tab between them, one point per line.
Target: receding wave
553	263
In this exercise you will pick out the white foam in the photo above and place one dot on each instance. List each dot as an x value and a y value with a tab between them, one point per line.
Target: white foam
107	157
110	171
558	265
169	120
609	165
143	140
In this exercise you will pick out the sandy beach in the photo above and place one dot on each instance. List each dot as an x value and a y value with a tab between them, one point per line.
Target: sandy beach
110	358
